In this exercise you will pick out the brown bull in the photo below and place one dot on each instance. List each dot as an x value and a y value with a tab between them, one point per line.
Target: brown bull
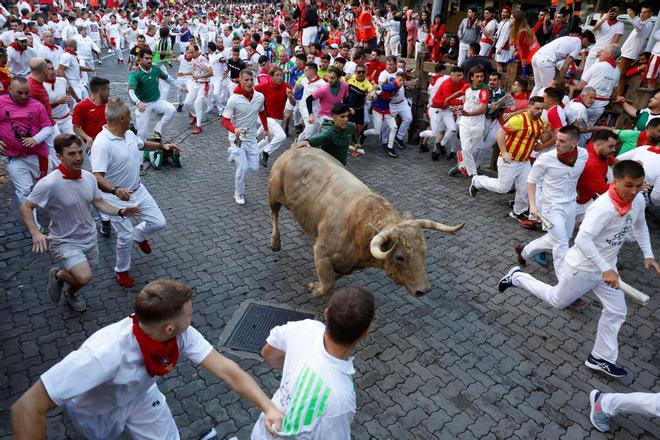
353	227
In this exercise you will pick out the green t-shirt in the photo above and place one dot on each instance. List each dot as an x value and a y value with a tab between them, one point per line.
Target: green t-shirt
644	116
333	141
628	139
145	84
161	45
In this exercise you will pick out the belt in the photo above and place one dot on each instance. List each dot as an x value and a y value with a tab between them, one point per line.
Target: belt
398	102
598	98
136	188
63	117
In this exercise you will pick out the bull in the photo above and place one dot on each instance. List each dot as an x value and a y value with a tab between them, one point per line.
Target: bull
353	227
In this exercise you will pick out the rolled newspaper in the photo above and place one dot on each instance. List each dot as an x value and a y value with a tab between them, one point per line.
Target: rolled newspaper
633	293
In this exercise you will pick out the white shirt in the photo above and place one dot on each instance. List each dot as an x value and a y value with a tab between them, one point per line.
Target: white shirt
71	68
56	28
557	180
219	69
326	410
114	370
656	47
386	76
131	37
492	28
560	49
606	33
650	161
114	30
18	61
53	55
94	30
68	32
576	112
185	66
85	47
473	100
503	30
58	90
119	158
245	114
349	67
67	202
603	232
309	88
603	77
634	44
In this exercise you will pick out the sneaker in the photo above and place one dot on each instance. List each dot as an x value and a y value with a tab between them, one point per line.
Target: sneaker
451	155
400	143
299	128
473	189
144	246
423	148
507	280
541	259
99	61
579	305
263	159
176	159
156	135
110	51
197	130
179	108
519	217
390	151
435	156
604	366
454	171
530	224
106	228
157	157
600	421
55	285
511	203
209	435
518	249
239	199
76	304
124	279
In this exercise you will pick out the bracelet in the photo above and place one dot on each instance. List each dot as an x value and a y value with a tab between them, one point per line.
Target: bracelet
113	191
119	213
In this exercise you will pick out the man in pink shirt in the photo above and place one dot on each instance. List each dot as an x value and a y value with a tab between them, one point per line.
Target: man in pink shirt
328	95
24	126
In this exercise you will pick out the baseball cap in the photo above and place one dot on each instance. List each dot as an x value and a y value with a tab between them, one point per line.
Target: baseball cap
298	48
19	36
334	46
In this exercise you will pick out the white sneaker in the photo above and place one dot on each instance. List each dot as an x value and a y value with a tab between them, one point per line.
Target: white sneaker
239	199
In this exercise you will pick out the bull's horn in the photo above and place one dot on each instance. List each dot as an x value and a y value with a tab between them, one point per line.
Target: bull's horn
430	224
376	246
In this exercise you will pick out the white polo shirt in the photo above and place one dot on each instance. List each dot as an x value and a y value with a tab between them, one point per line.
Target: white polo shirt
560	49
650	161
244	113
71	69
605	34
67	202
53	55
119	158
57	90
17	61
316	393
108	371
603	77
634	44
558	180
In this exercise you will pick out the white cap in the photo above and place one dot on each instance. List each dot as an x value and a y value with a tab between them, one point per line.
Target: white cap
19	36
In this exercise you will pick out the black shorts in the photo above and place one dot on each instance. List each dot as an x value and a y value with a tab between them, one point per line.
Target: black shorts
358	116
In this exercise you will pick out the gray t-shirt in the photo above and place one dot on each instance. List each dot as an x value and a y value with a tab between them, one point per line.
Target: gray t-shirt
67	202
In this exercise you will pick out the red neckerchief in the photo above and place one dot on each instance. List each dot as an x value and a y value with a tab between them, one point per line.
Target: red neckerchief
556	29
51	46
68	174
470	23
612	22
52	83
16	47
655	149
240	91
580	100
610	61
159	357
568	158
621	207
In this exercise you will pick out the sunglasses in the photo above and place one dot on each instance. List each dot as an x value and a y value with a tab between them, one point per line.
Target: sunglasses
360	71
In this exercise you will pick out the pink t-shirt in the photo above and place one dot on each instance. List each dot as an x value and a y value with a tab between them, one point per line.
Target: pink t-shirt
22	121
327	99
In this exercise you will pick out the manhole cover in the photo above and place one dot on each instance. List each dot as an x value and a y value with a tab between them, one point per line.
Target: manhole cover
255	324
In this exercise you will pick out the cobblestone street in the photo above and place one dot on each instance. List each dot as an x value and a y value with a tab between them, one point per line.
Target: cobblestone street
462	362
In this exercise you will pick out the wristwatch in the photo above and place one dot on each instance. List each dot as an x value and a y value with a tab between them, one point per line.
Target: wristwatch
114	190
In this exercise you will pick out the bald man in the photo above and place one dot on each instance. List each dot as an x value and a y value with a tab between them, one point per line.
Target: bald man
38	74
70	69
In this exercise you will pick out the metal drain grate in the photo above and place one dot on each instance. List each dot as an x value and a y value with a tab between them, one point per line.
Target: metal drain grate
255	324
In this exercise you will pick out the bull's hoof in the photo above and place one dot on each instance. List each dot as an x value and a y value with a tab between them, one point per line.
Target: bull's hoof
315	289
275	245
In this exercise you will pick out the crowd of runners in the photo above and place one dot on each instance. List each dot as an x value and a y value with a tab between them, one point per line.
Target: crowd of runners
332	75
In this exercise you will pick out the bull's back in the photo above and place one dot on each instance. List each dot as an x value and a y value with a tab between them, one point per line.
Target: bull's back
313	186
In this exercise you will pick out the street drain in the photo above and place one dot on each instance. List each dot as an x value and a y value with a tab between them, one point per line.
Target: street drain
253	323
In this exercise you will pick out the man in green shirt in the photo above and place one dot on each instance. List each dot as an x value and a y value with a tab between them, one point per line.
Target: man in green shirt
144	92
632	138
336	137
645	115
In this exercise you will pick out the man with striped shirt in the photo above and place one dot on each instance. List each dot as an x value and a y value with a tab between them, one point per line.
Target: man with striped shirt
517	140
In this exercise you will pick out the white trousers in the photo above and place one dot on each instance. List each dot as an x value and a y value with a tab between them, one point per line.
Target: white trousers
310	129
147	417
595	112
150	218
163	86
246	158
562	217
220	95
484	48
390	123
647	404
160	107
441	119
116	48
65	125
309	35
508	175
277	133
181	82
544	72
23	173
404	111
591	58
472	141
462	53
574	283
197	98
394	44
503	56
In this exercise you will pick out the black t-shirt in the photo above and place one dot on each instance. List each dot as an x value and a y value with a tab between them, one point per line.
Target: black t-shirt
478	60
235	68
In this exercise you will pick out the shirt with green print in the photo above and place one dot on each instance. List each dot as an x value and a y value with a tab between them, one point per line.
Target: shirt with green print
334	141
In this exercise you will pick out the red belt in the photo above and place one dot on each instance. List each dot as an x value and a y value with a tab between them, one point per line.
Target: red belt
487	41
63	117
598	98
398	102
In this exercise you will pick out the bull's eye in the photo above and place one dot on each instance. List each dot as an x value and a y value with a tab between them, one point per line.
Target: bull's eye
400	258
